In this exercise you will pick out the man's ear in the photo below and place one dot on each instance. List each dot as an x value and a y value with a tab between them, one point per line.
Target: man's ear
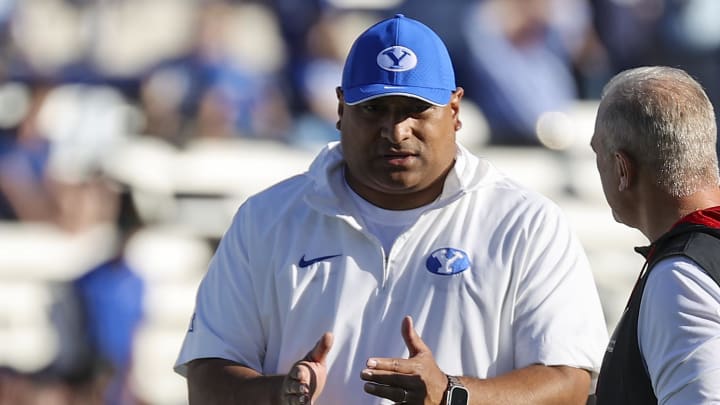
341	105
455	106
625	170
455	98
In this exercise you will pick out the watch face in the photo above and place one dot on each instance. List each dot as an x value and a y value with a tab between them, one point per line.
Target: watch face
458	396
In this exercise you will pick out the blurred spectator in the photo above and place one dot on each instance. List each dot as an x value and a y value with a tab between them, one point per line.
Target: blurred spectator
26	190
110	298
628	31
327	43
296	19
96	319
523	55
95	316
49	160
224	85
683	34
691	37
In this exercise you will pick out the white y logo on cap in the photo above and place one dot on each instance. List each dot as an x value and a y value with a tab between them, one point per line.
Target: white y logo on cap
397	59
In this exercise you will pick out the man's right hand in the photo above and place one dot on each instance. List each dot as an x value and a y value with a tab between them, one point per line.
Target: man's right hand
306	379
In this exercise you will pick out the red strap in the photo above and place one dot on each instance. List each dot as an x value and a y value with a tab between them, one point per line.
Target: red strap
709	217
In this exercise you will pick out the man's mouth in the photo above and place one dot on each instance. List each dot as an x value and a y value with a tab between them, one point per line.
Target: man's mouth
399	158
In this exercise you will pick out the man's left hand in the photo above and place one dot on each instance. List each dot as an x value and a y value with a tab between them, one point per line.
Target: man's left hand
415	380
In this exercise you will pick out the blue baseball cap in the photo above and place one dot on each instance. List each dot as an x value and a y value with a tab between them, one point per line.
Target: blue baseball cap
398	56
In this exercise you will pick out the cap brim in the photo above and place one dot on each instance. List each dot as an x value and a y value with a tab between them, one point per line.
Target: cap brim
356	95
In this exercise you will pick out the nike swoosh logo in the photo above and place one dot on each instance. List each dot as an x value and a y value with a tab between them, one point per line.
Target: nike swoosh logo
305	263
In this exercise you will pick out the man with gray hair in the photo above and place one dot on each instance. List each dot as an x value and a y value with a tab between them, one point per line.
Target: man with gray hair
655	138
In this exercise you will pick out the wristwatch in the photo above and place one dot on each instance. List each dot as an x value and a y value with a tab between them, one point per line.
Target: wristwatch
456	393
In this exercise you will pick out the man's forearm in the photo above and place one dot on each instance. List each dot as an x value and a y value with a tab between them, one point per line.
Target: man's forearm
531	385
218	381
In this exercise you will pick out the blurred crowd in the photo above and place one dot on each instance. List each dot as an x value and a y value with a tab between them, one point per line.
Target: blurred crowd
80	77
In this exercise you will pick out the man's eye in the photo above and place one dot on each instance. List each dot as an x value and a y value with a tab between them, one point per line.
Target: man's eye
420	108
371	108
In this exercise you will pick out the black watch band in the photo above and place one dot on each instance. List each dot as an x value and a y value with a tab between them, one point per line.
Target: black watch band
456	393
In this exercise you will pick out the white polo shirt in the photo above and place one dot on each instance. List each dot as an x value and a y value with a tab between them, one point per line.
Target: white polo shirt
679	333
491	273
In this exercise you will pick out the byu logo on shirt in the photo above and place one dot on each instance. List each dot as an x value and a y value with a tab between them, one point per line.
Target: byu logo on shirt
447	261
397	59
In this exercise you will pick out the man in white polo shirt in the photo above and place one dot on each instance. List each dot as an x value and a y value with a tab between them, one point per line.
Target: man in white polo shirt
399	267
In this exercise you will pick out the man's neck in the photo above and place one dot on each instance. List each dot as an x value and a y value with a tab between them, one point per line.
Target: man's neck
664	211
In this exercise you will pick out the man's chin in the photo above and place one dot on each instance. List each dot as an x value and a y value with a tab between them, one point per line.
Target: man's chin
398	182
619	219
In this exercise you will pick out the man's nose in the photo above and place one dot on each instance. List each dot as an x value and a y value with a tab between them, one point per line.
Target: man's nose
396	128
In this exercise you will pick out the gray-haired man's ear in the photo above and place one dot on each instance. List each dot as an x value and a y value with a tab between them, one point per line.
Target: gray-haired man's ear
625	170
